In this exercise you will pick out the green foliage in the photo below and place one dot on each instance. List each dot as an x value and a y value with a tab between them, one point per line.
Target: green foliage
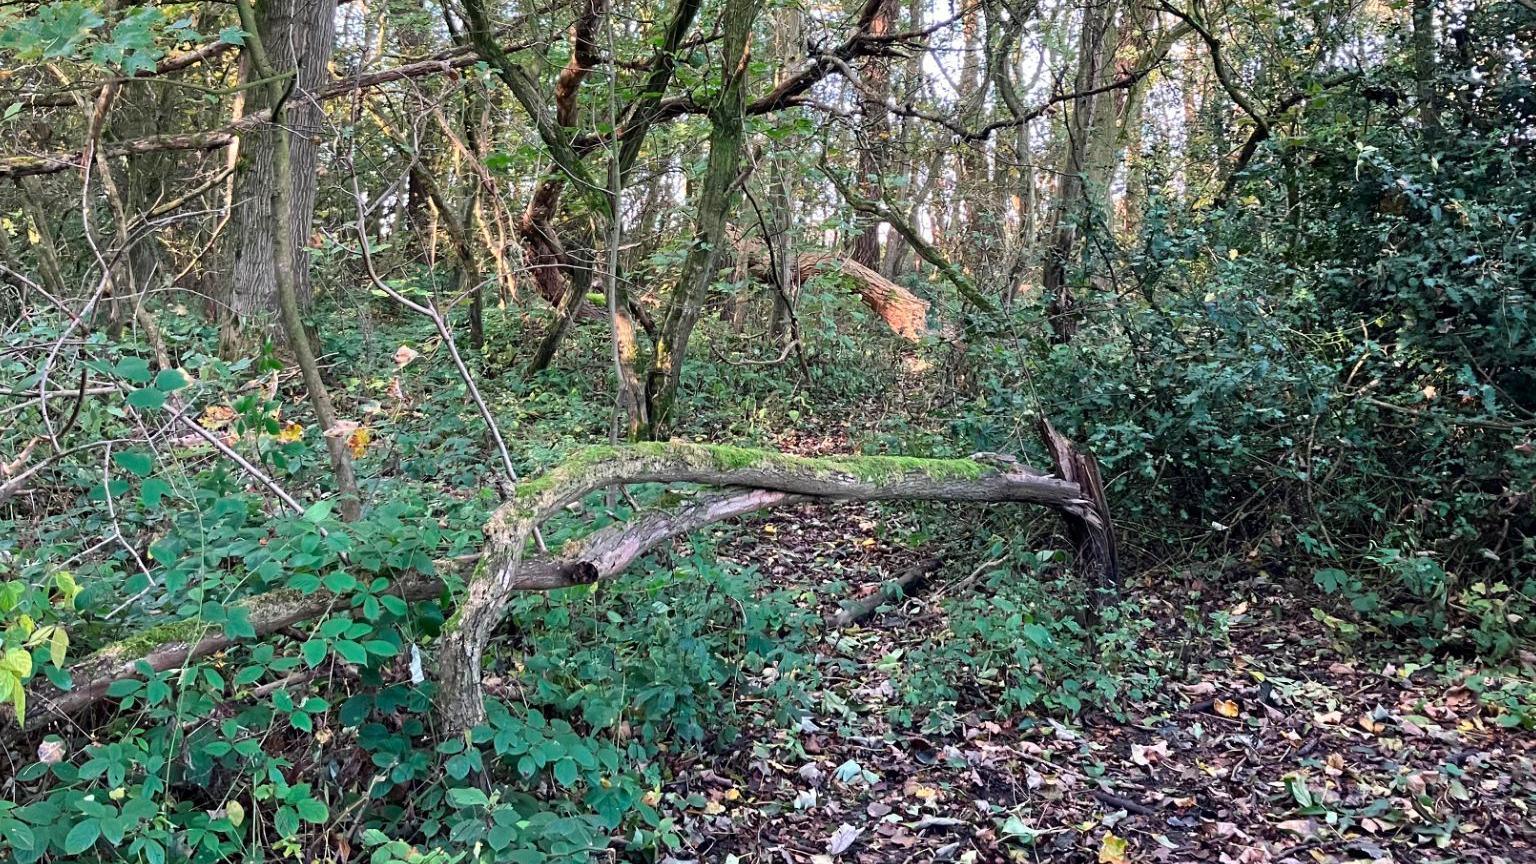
1019	644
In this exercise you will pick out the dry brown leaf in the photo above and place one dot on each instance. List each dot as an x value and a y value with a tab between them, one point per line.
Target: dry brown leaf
1227	707
216	417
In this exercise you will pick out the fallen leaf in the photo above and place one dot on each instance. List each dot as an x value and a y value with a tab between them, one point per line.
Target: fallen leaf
844	837
216	417
290	433
1113	850
1303	828
1227	707
1149	754
50	752
358	442
342	429
404	355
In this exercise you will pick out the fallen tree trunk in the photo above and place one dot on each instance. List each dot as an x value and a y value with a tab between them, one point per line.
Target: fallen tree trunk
755	480
602	555
904	312
1095	550
868	478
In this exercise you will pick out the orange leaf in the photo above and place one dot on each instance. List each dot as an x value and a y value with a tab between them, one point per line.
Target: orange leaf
1227	707
358	442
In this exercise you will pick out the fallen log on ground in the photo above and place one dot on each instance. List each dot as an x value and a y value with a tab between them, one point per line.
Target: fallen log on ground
848	478
903	585
603	554
753	479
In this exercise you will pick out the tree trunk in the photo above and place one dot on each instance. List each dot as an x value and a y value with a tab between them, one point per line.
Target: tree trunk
875	132
301	35
1095	53
717	195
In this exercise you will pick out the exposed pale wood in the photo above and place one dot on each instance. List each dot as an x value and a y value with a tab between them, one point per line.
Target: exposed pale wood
904	312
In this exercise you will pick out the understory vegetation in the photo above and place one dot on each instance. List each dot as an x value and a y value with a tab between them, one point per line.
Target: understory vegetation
275	395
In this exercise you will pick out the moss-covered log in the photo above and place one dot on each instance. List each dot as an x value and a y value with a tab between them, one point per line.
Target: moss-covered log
754	480
603	554
840	478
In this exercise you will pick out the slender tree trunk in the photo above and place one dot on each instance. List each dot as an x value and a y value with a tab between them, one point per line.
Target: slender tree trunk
1093	61
875	132
45	249
1424	65
288	264
789	49
717	195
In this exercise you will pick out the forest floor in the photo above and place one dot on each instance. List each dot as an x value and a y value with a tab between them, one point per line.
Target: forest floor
1280	745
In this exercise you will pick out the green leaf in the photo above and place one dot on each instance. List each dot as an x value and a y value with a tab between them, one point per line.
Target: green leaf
467	796
19	661
147	398
125	687
171	380
21	836
82	837
135	462
318	511
313	651
135	369
351	652
152	490
565	772
286	822
232	36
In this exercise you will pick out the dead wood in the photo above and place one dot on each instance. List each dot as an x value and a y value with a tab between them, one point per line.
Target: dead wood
907	584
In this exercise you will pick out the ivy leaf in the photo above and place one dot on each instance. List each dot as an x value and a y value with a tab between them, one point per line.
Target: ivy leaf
171	380
135	369
152	490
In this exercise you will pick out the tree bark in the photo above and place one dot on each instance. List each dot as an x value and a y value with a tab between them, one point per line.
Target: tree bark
875	132
300	35
290	268
717	196
1095	52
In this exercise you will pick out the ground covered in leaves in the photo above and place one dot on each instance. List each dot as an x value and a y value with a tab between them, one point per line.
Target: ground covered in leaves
1273	743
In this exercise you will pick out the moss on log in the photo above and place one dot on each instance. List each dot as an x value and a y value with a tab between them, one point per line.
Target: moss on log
834	478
